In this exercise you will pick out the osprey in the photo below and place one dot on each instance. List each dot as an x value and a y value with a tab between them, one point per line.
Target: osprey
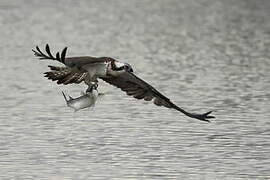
89	69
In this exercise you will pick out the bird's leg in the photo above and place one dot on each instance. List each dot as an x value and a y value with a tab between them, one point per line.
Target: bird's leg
91	86
92	83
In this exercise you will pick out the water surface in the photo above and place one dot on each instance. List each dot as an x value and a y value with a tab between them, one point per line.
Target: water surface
204	55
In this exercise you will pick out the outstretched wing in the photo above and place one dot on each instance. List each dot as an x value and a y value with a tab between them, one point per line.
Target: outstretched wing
73	72
68	61
66	75
139	89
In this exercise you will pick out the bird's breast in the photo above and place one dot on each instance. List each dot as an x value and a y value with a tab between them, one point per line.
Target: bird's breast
97	69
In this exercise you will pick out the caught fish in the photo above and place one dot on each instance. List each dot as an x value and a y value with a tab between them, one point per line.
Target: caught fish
86	100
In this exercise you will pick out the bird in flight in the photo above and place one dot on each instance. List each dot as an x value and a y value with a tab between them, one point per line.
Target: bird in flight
89	69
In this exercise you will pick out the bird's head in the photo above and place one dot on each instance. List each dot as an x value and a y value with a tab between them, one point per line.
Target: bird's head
119	66
127	67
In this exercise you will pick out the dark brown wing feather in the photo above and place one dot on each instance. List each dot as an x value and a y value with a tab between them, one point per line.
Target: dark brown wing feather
66	75
139	89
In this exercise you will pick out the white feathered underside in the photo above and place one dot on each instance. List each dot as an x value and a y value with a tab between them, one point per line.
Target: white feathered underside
96	69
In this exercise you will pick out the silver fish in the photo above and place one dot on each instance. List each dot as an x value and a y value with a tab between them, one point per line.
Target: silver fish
86	100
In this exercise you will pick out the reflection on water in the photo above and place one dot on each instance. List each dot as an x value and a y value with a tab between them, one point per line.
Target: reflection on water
209	55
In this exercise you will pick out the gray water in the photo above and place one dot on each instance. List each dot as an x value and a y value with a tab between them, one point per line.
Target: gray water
202	54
